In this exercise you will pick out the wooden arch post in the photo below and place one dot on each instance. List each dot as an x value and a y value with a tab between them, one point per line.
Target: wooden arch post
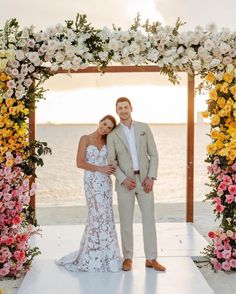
190	127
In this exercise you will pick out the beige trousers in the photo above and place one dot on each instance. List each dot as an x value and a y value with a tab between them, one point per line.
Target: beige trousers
126	203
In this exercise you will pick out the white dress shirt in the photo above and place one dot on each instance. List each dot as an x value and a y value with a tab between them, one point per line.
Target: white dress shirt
130	136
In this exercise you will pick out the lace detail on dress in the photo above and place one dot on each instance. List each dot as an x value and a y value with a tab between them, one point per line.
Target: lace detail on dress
99	250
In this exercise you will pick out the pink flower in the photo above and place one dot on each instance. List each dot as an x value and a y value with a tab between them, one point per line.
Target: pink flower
222	186
232	189
219	255
16	220
10	241
14	193
232	263
233	166
19	255
4	272
217	200
226	254
214	261
227	179
211	235
219	208
18	160
217	266
229	198
226	266
216	170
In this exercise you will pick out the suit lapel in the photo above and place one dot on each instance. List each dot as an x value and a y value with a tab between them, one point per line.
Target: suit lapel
121	134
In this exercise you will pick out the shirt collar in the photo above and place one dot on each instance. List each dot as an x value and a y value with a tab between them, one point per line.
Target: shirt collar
124	126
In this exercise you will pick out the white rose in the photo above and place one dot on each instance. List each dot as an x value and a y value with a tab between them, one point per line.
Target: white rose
58	28
196	65
71	35
54	67
229	68
113	44
28	82
227	60
124	36
66	65
20	55
31	43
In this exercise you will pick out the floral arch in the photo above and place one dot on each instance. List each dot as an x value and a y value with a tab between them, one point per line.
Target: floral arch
28	58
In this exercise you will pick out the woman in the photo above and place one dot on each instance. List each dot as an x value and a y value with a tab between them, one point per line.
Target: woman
99	250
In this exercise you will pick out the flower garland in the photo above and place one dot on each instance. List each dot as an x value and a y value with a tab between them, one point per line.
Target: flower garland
222	168
28	58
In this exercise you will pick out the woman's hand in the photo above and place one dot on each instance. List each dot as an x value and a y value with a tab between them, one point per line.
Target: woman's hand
107	169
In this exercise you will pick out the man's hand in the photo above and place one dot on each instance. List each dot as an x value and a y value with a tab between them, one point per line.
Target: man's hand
148	184
129	183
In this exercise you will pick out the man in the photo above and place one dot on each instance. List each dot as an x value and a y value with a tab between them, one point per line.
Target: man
131	145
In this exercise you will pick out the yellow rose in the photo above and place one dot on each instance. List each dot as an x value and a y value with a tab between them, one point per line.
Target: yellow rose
215	120
228	77
9	102
211	148
3	77
3	63
221	102
224	152
213	94
2	53
210	78
221	113
224	87
228	108
205	114
217	87
221	136
233	89
214	134
10	54
231	144
10	162
232	154
219	144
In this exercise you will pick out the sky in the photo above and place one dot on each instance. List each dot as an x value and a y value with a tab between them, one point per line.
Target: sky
86	98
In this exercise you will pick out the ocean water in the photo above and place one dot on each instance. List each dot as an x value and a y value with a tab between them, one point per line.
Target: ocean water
60	182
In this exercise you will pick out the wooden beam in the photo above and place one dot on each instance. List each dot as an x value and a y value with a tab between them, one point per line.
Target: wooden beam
115	69
190	153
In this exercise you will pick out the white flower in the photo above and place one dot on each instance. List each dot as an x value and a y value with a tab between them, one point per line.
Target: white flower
180	50
11	84
224	48
25	33
211	27
215	62
196	65
232	52
103	55
50	31
89	56
20	55
184	59
230	68
66	65
227	60
209	45
152	54
15	72
54	67
71	35
31	68
59	57
31	43
114	44
28	82
58	28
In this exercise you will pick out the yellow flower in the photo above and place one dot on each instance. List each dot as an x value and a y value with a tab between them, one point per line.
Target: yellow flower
219	144
217	87
210	78
205	114
232	144
214	134
3	77
227	108
224	87
211	148
221	113
228	77
3	63
215	120
221	102
213	94
10	54
10	162
3	109
9	102
233	89
224	152
232	154
221	136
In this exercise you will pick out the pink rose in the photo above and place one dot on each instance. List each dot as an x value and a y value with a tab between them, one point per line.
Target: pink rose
217	266
229	198
19	255
217	200
234	166
226	266
219	255
214	261
232	263
219	208
211	235
4	272
222	186
226	254
232	189
227	179
16	220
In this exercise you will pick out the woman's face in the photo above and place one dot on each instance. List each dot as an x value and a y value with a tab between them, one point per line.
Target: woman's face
105	126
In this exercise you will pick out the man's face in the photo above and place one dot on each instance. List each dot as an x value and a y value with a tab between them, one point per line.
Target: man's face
123	109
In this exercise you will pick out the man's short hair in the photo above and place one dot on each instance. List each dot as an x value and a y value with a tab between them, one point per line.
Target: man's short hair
123	99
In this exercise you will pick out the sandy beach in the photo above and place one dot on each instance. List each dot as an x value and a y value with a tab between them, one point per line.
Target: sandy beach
220	282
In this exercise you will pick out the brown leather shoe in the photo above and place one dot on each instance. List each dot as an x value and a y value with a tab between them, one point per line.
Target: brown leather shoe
155	265
127	264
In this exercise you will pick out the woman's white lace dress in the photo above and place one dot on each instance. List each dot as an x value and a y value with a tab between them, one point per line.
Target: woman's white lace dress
99	250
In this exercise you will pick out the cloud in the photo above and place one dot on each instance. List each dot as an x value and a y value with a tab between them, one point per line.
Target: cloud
201	12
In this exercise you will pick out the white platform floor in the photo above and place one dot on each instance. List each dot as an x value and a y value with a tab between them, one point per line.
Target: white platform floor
177	243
